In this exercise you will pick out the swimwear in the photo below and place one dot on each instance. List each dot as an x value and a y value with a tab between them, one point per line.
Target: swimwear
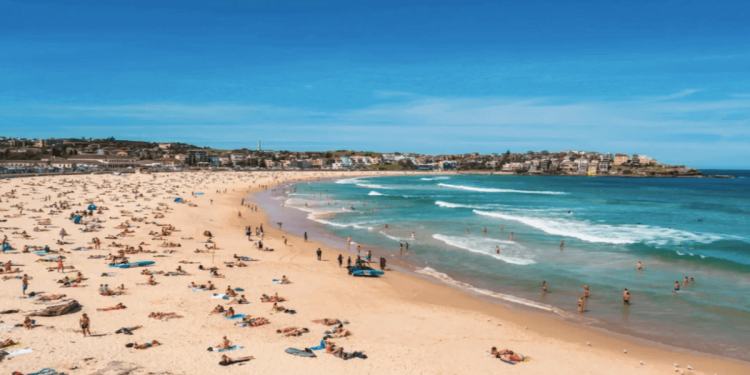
148	345
84	326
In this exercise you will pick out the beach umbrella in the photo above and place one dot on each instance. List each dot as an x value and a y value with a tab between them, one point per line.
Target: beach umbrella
77	219
92	207
178	200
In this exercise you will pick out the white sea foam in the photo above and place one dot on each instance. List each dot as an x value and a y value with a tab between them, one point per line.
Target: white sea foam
486	246
457	205
505	297
492	190
399	239
375	193
605	233
372	186
354	180
340	225
435	178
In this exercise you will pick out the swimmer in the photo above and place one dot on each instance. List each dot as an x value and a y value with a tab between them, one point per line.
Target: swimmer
640	266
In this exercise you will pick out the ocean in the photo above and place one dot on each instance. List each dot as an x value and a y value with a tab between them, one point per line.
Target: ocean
677	228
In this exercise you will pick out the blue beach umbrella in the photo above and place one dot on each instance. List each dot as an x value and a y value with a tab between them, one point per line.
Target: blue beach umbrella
92	207
178	200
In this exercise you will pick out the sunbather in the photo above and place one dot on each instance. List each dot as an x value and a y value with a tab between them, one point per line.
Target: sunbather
240	301
327	322
7	342
219	309
143	346
226	361
119	306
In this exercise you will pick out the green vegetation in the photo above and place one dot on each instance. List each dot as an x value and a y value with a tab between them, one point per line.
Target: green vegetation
385	166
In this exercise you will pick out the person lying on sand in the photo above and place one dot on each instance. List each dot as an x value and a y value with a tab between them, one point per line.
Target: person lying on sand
51	297
143	346
119	306
219	309
240	301
229	313
339	352
226	361
255	322
160	315
508	355
128	330
328	322
337	332
275	298
7	343
292	331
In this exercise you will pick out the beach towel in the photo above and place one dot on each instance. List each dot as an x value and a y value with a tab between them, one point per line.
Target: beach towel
239	290
236	316
47	371
200	290
233	347
219	296
11	346
276	281
321	346
300	353
81	249
10	327
19	351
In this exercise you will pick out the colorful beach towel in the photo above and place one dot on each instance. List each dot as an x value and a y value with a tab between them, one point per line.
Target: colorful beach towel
236	316
233	347
219	296
300	353
321	346
19	351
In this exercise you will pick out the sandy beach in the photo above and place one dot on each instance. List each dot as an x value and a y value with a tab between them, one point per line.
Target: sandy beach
402	324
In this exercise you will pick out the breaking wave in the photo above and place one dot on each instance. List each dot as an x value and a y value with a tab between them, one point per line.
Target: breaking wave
492	190
486	246
605	233
505	297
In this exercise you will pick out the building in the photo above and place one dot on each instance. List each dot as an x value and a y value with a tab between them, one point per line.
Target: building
195	157
621	159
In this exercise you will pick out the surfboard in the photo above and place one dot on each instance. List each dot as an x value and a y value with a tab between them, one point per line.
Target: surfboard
368	273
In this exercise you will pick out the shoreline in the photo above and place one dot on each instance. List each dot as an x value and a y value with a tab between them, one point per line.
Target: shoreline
404	323
411	270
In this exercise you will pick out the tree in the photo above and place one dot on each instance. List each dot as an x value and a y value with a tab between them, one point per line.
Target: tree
406	163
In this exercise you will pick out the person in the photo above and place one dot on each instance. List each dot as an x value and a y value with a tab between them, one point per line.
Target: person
60	266
497	249
359	249
27	323
382	263
226	360
626	297
580	304
305	236
676	286
400	248
341	260
368	256
484	230
544	286
144	346
511	236
586	291
348	261
640	266
85	325
319	252
692	280
562	244
685	281
225	343
25	283
7	342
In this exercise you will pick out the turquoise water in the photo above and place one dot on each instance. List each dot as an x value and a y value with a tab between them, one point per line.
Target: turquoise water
698	228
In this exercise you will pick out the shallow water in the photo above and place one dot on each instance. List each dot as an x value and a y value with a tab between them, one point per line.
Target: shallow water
697	228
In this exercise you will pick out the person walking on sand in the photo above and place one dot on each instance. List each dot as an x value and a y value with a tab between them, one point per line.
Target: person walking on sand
341	260
60	266
348	261
85	323
25	283
319	252
63	233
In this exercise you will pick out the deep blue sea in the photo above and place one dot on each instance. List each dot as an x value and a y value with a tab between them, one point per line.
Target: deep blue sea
677	227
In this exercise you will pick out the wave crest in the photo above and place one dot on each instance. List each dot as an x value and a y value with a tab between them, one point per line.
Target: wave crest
493	190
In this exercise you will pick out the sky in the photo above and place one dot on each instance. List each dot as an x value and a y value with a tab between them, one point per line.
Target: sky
669	79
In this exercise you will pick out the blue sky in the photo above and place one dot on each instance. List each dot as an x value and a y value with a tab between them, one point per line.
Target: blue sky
668	79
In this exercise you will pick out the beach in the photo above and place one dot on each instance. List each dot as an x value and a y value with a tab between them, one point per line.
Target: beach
402	323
